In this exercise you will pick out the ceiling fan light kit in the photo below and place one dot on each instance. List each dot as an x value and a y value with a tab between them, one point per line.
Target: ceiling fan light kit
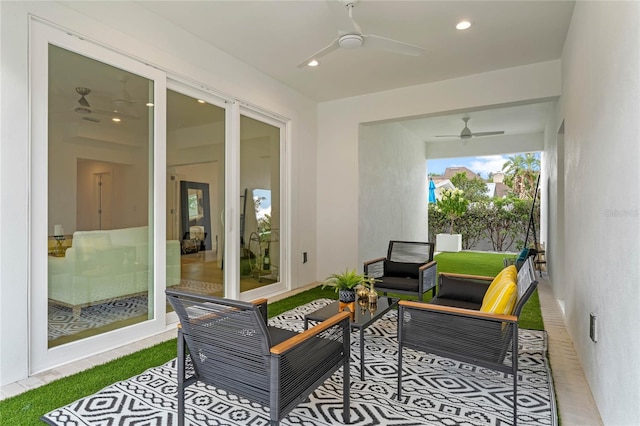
350	41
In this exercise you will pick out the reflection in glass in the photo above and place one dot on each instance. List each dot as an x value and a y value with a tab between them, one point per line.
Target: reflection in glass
99	203
260	178
195	192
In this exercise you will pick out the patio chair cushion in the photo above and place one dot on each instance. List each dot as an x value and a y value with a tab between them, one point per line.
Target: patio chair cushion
465	290
401	269
501	296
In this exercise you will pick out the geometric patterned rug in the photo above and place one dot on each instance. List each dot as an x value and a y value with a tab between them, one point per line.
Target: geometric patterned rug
63	323
436	391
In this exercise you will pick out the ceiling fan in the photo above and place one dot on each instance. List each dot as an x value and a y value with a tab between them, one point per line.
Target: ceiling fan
356	39
466	133
92	113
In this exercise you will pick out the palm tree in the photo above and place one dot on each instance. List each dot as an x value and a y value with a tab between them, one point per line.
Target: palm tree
521	172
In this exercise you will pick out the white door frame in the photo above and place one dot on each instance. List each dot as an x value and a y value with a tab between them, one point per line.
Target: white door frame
41	357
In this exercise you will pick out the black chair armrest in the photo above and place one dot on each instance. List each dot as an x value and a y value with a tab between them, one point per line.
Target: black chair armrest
466	276
262	305
428	265
375	267
314	331
369	262
428	278
468	313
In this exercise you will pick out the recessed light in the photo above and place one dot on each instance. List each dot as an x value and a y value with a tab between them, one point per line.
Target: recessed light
313	63
463	25
149	104
200	101
116	119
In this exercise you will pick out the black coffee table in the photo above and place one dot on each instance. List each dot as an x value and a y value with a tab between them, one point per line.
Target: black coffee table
361	322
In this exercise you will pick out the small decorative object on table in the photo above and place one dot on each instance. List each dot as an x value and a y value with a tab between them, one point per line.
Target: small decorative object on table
363	292
58	234
373	294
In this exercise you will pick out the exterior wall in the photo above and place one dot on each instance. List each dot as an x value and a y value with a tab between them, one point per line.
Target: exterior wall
552	177
129	28
600	106
392	198
338	140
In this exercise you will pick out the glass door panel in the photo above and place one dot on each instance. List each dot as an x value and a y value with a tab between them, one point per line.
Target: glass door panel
100	202
260	212
195	194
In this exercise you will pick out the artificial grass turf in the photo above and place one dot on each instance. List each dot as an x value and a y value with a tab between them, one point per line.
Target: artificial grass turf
26	408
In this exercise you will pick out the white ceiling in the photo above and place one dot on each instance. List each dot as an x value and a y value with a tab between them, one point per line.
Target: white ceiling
275	36
513	120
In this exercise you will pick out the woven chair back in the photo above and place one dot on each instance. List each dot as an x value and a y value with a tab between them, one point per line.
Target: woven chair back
410	251
228	342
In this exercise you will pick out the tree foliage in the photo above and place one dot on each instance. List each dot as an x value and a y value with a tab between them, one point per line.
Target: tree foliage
501	221
453	205
521	174
474	189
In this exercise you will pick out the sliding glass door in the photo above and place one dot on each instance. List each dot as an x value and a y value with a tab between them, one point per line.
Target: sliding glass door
195	192
95	146
260	203
100	249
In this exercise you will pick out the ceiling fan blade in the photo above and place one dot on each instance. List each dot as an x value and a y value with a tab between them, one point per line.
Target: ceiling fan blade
501	132
382	43
447	136
322	52
84	102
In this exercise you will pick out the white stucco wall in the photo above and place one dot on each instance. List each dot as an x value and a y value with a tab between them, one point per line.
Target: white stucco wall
338	136
600	106
553	203
392	196
128	28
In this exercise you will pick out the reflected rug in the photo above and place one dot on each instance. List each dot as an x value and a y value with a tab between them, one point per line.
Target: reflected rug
62	322
438	391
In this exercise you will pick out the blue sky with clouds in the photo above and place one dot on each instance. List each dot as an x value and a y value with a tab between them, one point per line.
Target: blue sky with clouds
481	165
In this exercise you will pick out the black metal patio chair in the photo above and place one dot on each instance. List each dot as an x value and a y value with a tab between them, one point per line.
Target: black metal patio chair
409	268
455	328
232	347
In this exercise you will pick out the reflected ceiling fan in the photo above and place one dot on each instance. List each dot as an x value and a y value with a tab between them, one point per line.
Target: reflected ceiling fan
466	133
356	39
91	113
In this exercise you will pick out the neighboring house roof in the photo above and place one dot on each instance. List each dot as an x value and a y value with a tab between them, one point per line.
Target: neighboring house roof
501	190
494	189
442	184
452	171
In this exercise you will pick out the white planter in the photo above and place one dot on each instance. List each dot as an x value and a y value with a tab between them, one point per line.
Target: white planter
449	242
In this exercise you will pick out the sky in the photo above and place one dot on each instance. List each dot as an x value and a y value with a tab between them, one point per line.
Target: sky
480	165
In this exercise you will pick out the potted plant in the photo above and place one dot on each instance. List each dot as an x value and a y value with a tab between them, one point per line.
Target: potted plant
345	284
452	205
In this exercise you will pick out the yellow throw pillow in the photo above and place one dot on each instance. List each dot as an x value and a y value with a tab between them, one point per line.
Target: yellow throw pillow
509	273
502	299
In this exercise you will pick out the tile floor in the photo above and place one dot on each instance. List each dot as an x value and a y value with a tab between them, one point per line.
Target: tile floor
575	401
